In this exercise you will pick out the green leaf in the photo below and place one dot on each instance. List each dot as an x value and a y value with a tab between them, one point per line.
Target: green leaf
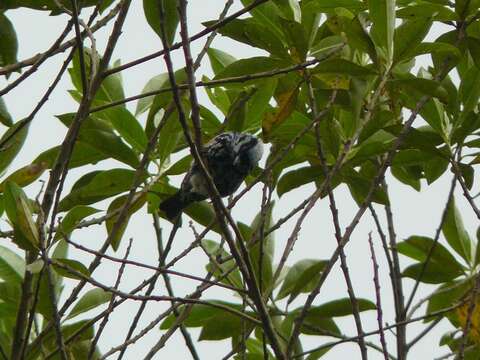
434	273
8	39
219	59
214	250
12	266
82	154
474	49
68	267
328	6
455	233
301	278
152	14
222	325
97	186
256	33
382	14
128	127
470	89
12	146
5	117
90	300
298	177
418	248
424	86
116	205
72	219
17	207
408	36
338	308
25	175
156	83
341	66
258	104
427	10
249	66
100	136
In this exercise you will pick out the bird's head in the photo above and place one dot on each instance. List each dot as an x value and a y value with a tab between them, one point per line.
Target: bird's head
249	151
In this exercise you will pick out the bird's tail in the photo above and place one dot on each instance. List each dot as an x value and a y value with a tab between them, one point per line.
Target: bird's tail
174	205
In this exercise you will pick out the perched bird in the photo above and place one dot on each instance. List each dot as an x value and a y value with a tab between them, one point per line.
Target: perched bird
229	158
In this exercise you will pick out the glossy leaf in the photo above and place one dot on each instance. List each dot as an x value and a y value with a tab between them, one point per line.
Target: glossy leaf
156	83
97	186
117	205
8	39
338	308
219	59
253	65
69	268
298	177
382	14
72	219
455	233
90	300
11	148
128	127
408	36
5	117
12	266
418	248
301	278
434	273
17	207
152	14
25	175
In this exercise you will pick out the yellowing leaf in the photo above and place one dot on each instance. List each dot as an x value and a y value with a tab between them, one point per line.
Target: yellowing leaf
462	313
286	104
25	175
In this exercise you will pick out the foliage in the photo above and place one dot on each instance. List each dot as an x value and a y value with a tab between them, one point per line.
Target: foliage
333	91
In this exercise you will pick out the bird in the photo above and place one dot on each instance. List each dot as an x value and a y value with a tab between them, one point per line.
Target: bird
229	157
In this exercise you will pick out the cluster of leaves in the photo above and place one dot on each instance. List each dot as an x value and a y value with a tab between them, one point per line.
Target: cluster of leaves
356	48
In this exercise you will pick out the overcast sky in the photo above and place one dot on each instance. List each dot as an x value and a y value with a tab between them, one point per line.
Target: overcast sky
415	213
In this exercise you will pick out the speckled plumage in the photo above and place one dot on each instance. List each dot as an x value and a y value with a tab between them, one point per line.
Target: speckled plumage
229	157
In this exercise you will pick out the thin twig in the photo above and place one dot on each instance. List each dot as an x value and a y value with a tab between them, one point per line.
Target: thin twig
376	281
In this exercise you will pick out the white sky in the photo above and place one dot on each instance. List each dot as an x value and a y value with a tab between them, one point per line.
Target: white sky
415	213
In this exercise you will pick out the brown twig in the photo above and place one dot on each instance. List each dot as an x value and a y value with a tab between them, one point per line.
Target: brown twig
378	295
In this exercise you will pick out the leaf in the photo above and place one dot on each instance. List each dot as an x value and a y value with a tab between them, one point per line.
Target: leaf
341	66
152	14
338	308
12	266
156	83
72	219
434	273
258	104
68	268
253	65
90	300
259	34
82	154
455	233
470	89
19	212
382	14
25	175
427	10
301	278
408	36
285	106
298	177
12	146
5	117
97	186
8	39
474	49
219	59
330	5
418	248
128	127
116	205
218	269
222	325
424	86
100	136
